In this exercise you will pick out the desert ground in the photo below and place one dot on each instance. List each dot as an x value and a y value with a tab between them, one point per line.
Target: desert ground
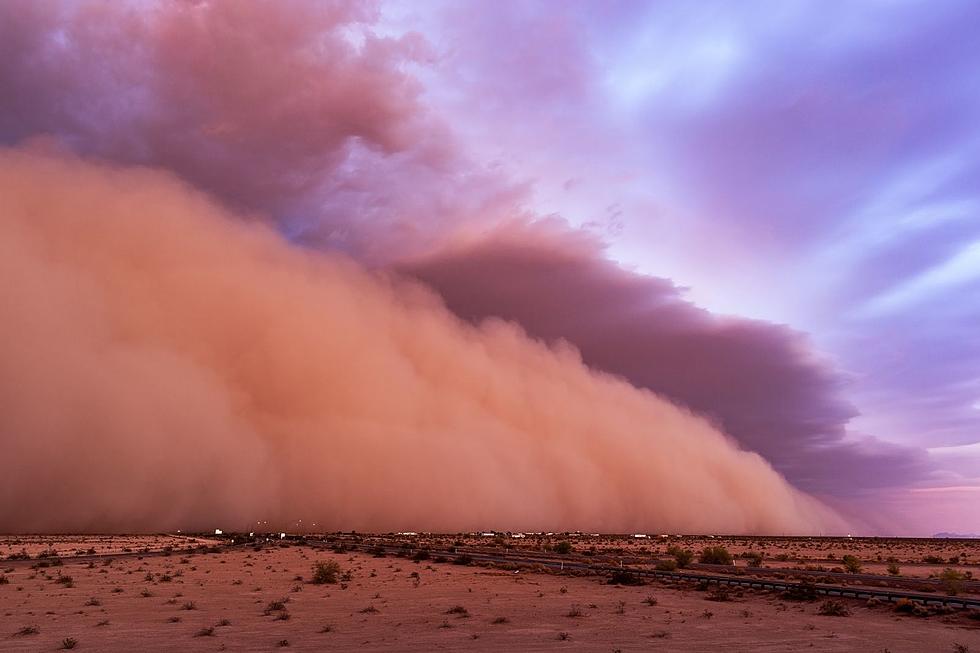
262	598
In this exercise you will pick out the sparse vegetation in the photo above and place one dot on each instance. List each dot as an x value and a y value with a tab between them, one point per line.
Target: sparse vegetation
831	608
683	557
718	594
69	643
622	577
803	591
325	572
851	564
952	581
564	547
715	555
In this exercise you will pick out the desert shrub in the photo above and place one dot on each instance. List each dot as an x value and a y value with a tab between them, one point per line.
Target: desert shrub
325	572
458	609
207	631
28	630
952	581
574	612
666	565
851	564
715	555
684	557
463	560
189	605
932	560
564	547
421	554
719	594
754	558
802	591
69	642
4	580
833	608
905	606
500	620
650	600
893	569
622	577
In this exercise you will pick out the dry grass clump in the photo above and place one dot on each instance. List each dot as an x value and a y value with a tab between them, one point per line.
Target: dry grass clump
831	608
325	572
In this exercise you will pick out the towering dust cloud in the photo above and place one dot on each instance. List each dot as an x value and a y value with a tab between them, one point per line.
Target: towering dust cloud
168	365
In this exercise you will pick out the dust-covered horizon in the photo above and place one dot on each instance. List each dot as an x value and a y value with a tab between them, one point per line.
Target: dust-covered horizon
169	365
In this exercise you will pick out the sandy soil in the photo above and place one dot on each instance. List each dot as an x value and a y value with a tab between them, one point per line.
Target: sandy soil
163	603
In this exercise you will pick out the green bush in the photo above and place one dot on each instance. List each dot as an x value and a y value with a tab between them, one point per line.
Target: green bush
715	555
684	557
666	565
851	564
564	547
952	581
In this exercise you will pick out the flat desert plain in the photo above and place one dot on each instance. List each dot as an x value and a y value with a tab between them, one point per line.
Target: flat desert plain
262	599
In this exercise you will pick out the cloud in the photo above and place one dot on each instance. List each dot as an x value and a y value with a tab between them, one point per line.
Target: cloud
169	364
272	110
760	382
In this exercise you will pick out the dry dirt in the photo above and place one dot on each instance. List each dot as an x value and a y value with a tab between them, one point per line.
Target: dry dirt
130	604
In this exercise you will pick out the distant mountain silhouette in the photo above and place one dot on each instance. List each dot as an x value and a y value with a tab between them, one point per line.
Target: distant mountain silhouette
961	536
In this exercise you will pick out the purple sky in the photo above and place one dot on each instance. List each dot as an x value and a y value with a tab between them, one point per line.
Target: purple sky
768	212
